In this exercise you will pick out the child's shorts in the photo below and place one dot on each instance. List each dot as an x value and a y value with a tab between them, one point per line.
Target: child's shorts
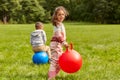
40	48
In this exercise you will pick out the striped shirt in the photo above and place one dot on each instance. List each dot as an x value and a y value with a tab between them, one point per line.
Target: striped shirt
38	38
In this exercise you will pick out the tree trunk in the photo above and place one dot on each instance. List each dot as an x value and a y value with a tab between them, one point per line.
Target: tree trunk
5	19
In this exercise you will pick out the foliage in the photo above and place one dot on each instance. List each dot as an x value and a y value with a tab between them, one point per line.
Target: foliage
50	5
7	8
100	11
23	11
30	11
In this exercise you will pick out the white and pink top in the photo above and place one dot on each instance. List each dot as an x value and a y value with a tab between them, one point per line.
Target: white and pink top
59	34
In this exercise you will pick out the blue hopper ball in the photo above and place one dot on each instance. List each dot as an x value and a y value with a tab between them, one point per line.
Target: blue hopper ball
40	57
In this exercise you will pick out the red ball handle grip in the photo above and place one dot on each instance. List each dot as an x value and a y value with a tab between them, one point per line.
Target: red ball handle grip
71	46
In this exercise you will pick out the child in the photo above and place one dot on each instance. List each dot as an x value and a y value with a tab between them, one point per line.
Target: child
38	39
58	40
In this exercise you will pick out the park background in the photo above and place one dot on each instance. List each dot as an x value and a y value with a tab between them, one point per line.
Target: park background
92	26
30	11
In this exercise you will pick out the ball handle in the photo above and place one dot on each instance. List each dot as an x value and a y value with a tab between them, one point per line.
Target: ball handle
70	47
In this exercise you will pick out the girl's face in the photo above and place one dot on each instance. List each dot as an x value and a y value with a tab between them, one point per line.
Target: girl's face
60	15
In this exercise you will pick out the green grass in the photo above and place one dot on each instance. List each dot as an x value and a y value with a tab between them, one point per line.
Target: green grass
99	46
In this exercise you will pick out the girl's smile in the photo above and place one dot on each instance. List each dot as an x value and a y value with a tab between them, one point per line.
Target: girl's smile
60	15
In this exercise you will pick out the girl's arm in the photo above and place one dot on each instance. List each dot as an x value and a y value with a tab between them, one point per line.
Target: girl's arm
64	36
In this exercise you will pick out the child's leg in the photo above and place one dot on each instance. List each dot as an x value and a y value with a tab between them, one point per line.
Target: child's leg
42	48
53	73
54	67
48	51
36	48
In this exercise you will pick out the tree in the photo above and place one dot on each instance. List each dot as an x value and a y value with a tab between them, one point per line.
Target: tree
32	10
50	5
7	7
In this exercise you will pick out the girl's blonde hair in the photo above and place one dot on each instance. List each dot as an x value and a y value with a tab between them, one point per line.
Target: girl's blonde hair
38	25
54	17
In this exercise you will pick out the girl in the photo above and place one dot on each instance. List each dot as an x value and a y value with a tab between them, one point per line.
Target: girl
58	40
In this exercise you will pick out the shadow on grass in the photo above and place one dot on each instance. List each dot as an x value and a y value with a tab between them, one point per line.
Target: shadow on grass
67	77
33	64
26	77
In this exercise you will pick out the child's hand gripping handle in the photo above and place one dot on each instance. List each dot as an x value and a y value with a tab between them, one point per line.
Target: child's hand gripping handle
70	46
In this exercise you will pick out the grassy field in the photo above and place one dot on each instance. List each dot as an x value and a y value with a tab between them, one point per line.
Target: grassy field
99	46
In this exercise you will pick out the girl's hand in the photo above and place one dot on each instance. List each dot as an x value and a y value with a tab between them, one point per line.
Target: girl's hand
66	45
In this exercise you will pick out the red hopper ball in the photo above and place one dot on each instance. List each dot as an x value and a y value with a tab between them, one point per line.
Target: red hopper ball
70	61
